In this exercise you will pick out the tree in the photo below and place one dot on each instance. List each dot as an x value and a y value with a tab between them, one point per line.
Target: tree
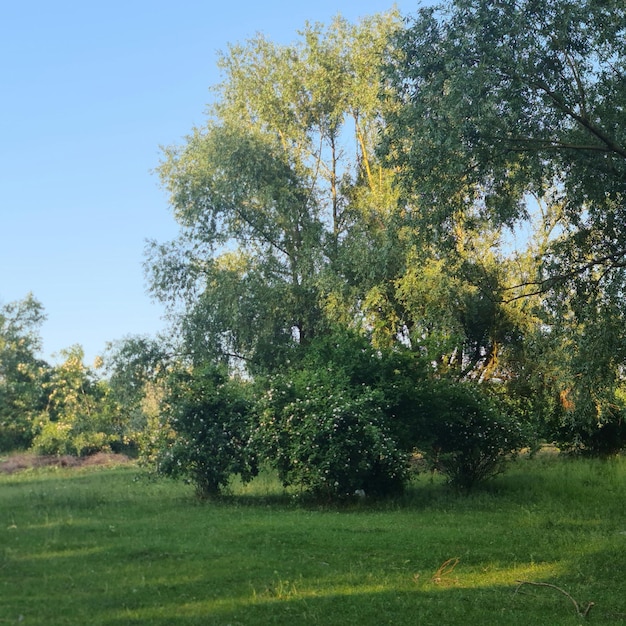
292	231
22	373
506	98
266	194
136	369
497	103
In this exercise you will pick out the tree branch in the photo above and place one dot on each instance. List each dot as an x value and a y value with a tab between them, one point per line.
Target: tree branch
547	144
615	260
583	121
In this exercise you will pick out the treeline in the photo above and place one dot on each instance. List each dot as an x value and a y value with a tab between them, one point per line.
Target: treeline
396	237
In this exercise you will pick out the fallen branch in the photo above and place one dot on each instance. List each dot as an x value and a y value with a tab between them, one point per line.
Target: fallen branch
582	614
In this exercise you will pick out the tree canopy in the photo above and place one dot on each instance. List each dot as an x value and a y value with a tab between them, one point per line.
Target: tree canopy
270	193
22	372
508	109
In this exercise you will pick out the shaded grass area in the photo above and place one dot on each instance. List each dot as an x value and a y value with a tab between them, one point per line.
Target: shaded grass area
109	546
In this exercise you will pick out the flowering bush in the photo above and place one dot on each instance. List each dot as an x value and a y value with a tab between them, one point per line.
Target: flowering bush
465	434
327	437
207	415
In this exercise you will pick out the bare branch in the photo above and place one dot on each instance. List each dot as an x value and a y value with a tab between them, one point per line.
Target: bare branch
582	120
580	613
615	260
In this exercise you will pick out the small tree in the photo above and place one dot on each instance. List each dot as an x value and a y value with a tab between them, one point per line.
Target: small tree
208	416
21	373
136	368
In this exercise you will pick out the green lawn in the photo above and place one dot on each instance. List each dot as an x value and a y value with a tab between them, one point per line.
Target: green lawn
109	546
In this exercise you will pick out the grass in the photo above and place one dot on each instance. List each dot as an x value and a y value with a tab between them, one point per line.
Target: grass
108	546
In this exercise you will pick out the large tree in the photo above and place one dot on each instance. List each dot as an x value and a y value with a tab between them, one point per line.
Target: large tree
500	105
267	194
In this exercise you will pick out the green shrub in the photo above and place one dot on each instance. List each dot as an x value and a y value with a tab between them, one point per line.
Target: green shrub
591	437
395	374
15	434
591	423
327	437
465	434
607	439
208	416
67	437
53	438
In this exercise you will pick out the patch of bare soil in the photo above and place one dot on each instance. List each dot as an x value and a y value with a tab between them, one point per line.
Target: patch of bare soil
28	460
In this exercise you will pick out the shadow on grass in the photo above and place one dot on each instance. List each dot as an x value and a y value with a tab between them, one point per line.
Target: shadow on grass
110	549
182	602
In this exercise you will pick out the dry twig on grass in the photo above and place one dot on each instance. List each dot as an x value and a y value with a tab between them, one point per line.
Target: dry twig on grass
445	569
582	613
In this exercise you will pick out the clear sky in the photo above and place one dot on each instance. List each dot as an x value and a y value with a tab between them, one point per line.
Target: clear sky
89	90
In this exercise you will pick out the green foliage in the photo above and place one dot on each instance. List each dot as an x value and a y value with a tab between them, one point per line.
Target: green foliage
79	417
395	374
504	109
582	430
343	419
267	192
208	416
22	374
498	99
60	438
136	367
327	437
467	435
465	431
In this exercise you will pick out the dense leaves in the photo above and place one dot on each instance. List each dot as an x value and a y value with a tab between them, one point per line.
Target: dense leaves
267	194
208	419
508	109
329	438
22	373
466	433
502	98
78	417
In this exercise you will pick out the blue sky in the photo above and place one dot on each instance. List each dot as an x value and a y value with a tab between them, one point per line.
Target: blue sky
89	91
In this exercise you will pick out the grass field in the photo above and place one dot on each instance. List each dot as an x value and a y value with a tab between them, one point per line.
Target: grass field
109	546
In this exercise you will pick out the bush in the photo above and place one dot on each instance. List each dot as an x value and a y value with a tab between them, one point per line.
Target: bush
607	439
60	438
79	418
591	437
327	437
15	435
395	374
53	438
591	422
208	416
467	437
